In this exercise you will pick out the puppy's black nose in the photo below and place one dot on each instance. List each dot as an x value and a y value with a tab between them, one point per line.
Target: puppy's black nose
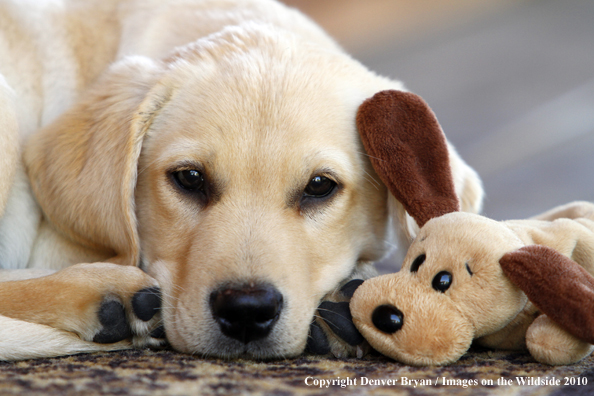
387	318
246	313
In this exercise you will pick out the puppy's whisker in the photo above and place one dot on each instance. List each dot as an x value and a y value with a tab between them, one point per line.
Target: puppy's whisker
390	244
372	180
147	166
179	288
328	310
370	156
170	298
330	323
169	295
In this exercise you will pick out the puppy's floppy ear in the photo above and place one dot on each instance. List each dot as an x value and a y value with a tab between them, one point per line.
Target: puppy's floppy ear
557	285
409	152
83	166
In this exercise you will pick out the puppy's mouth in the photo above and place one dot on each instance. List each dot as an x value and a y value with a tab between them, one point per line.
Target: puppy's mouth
263	349
250	320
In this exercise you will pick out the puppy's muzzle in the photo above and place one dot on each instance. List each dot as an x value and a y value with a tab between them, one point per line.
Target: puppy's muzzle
246	313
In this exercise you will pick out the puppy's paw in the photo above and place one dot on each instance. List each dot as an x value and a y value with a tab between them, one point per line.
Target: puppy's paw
101	302
114	324
138	320
332	330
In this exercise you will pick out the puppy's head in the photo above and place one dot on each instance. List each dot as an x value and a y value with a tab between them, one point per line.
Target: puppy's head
235	172
253	197
450	290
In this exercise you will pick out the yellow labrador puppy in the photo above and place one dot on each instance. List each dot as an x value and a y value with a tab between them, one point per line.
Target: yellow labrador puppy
202	153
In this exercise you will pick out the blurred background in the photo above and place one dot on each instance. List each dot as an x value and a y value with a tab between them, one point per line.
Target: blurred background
511	82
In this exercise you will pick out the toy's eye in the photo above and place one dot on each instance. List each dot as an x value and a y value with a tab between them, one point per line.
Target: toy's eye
417	263
442	281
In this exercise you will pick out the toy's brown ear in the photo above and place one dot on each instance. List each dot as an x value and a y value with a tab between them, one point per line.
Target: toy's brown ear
557	285
408	150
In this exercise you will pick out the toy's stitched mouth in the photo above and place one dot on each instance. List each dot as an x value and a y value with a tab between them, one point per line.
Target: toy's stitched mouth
466	317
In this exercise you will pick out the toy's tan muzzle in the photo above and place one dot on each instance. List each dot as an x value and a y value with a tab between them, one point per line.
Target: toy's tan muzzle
409	321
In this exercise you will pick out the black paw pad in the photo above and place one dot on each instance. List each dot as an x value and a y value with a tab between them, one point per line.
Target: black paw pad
349	288
317	343
146	303
159	332
339	319
112	317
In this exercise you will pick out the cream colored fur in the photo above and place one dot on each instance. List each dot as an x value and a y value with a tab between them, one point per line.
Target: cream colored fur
126	92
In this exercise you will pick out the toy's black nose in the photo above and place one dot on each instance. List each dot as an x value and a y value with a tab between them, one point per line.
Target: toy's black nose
387	318
246	313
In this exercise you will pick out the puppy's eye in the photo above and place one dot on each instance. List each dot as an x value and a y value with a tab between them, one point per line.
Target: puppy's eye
417	263
442	281
189	179
319	186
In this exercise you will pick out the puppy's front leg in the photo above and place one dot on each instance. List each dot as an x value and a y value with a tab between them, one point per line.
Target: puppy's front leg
332	330
20	340
100	302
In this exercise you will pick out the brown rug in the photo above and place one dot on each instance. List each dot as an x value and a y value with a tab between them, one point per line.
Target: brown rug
141	372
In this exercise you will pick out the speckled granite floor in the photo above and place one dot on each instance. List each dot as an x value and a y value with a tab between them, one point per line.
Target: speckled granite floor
141	372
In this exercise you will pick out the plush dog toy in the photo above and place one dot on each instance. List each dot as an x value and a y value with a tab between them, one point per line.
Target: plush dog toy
507	285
